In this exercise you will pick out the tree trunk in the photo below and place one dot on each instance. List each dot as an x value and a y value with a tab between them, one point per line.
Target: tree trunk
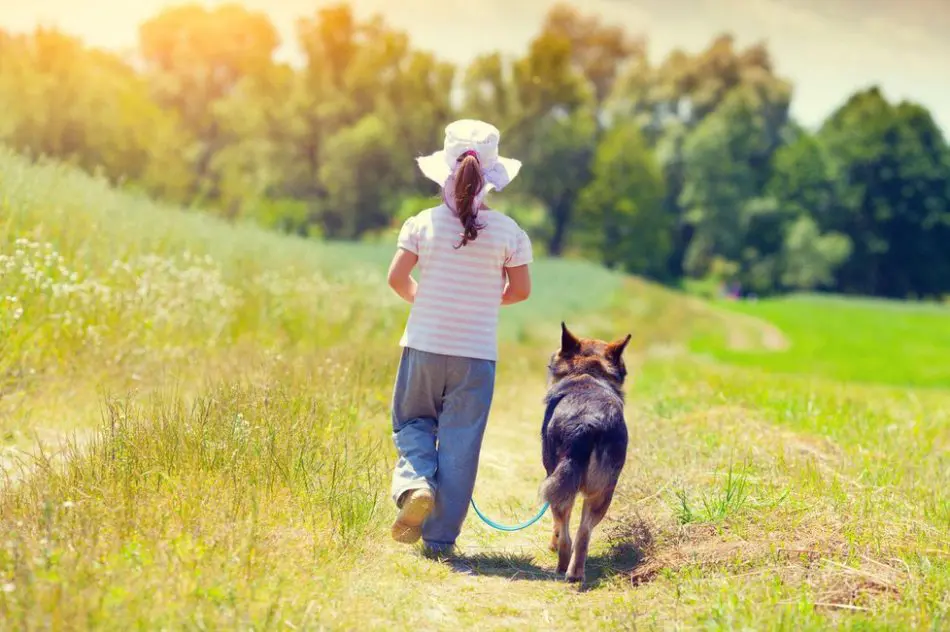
561	214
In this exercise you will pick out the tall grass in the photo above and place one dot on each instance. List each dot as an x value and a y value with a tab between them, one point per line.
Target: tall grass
728	499
261	482
258	430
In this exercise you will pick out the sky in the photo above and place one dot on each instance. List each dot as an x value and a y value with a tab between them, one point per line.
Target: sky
828	48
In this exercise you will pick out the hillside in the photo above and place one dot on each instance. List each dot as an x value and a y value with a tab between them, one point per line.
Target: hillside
212	404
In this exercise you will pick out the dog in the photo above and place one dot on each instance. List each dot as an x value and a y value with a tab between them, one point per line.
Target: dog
583	440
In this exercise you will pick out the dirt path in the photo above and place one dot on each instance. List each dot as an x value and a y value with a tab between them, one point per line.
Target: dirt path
500	580
506	581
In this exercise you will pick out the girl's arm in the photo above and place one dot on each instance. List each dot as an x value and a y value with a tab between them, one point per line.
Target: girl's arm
518	287
400	277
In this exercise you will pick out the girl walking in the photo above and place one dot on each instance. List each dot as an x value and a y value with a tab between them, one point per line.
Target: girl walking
470	260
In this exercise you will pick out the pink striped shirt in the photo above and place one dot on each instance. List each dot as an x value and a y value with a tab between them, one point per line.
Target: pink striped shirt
455	311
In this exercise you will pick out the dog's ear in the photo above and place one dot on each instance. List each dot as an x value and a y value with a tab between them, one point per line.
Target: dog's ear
616	348
570	345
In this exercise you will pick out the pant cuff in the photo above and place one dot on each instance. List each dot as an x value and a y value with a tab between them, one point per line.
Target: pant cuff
407	487
438	548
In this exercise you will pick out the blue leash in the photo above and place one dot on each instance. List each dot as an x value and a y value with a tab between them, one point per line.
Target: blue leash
501	527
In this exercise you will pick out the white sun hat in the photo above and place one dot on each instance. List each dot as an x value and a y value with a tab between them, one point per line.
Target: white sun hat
467	135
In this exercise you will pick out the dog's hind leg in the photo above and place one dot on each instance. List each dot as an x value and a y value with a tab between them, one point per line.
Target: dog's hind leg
562	527
556	529
595	508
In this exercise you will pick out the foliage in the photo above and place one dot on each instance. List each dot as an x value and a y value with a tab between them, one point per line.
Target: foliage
811	258
725	163
620	212
205	114
89	108
893	176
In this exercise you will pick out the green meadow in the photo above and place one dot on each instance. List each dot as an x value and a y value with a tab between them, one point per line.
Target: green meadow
858	340
195	433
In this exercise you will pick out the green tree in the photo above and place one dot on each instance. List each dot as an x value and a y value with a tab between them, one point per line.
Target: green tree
725	167
361	179
561	86
919	256
599	52
672	100
802	178
195	58
809	258
90	108
621	218
559	167
892	169
802	193
489	91
362	81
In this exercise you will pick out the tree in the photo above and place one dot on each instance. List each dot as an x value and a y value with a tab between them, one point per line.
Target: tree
809	259
195	57
802	178
598	52
725	166
919	257
892	169
621	220
361	179
560	163
489	92
561	86
363	81
801	191
88	107
672	100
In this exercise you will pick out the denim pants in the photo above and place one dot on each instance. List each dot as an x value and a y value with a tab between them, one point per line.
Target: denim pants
440	409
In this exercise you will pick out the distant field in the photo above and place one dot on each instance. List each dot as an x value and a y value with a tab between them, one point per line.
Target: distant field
849	339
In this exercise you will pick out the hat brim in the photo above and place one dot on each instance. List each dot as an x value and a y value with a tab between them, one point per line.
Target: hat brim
436	168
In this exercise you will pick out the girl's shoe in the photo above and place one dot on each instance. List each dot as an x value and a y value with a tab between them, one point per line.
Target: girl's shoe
416	506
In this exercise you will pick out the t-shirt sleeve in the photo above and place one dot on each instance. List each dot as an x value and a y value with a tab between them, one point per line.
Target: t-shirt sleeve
519	250
409	236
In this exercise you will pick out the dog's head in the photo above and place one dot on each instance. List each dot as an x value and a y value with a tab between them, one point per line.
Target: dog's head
587	356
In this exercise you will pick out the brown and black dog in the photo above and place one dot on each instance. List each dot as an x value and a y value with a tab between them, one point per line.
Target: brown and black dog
584	440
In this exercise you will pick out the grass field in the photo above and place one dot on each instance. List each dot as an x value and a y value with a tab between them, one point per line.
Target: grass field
196	436
887	342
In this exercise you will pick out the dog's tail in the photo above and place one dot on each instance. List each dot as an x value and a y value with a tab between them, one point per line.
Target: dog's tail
561	487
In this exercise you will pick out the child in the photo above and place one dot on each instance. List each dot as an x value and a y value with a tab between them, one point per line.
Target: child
471	261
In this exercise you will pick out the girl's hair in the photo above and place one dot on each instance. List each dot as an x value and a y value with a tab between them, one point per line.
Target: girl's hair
468	184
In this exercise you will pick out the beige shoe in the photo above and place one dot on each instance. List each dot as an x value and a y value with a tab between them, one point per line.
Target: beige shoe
416	507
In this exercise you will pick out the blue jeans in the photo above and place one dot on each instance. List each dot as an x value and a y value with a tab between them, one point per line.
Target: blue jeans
440	409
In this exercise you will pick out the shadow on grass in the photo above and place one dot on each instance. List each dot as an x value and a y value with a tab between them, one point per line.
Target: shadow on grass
627	549
512	566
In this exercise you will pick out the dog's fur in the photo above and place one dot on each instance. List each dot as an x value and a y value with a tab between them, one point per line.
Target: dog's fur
584	440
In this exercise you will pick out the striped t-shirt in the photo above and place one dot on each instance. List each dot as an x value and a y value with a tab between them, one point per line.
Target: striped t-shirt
455	311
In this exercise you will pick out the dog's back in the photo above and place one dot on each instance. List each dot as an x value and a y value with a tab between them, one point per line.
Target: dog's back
583	439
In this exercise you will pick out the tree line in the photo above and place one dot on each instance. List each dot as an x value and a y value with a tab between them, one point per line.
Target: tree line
686	168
